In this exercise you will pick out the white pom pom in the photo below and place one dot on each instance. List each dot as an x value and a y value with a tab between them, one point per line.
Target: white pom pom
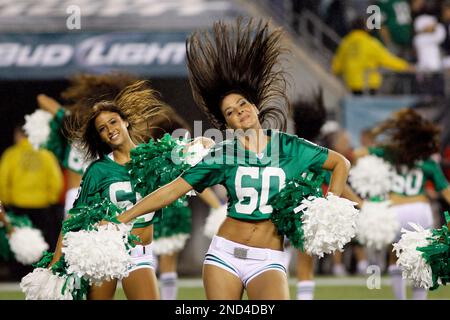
410	260
169	245
328	223
371	177
37	127
42	284
27	244
377	225
98	255
214	221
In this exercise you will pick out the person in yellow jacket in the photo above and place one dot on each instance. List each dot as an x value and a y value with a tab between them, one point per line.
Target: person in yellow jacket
31	182
359	57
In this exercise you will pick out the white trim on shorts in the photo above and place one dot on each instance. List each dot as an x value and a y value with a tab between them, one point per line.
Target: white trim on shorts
142	257
245	262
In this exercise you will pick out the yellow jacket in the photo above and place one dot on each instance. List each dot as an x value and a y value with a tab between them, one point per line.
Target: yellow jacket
29	178
358	58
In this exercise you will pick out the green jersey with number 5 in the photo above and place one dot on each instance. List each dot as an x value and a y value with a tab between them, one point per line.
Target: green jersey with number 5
111	180
252	180
411	181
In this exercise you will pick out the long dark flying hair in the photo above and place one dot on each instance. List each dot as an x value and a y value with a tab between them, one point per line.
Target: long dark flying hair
166	122
408	137
309	115
242	58
137	104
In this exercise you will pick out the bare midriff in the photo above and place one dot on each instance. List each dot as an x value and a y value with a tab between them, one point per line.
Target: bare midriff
258	234
145	234
73	179
397	199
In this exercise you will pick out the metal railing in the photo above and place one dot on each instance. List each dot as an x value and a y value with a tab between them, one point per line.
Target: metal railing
310	30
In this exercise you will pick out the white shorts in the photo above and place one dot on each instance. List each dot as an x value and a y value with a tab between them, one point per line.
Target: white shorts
419	213
243	261
142	257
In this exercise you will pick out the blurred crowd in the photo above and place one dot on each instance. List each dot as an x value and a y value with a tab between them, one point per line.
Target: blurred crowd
413	36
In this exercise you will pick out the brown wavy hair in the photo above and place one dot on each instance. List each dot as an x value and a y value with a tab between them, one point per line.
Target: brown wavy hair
240	58
137	104
87	89
408	137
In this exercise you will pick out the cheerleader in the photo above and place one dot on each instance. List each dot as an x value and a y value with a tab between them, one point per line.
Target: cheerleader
235	82
409	141
110	130
83	92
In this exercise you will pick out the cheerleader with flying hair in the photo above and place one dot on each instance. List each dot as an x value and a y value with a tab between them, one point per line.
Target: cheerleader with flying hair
237	82
408	142
83	92
109	131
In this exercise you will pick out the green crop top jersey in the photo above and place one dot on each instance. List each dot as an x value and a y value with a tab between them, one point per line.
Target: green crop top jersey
252	180
111	180
411	181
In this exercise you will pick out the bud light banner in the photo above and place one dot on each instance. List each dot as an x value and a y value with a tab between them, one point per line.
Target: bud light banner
59	55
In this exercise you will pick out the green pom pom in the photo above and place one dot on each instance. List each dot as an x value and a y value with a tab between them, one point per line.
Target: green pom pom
84	217
56	142
152	167
437	254
174	221
81	287
290	197
19	221
5	251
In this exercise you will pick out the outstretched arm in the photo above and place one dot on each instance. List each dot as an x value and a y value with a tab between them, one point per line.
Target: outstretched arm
157	199
340	167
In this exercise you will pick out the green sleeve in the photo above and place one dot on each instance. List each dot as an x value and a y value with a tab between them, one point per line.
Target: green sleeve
313	155
88	188
205	174
433	171
56	142
383	5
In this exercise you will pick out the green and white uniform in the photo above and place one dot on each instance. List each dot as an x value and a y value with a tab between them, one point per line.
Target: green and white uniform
410	182
252	180
111	180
